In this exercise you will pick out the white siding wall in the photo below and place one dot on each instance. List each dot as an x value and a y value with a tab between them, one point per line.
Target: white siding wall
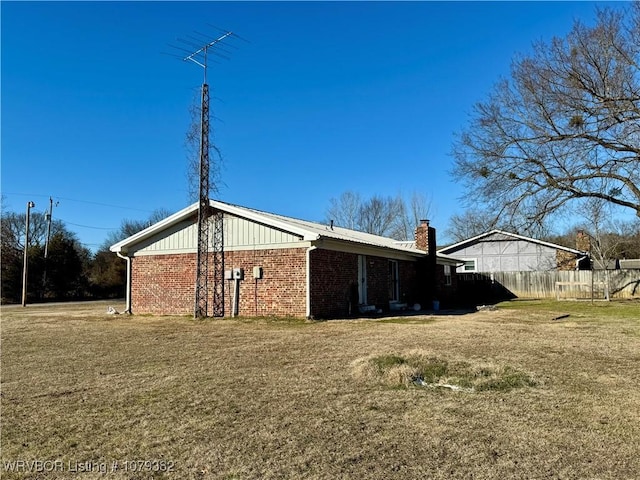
508	256
239	233
181	238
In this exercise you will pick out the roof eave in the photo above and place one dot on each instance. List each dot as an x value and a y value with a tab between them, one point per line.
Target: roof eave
121	246
443	259
255	215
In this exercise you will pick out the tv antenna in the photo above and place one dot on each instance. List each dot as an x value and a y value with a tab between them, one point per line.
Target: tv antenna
206	215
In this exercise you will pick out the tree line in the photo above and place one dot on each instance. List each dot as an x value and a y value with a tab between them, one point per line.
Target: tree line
70	270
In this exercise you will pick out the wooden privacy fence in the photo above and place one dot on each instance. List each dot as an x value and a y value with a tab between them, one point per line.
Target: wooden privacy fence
576	284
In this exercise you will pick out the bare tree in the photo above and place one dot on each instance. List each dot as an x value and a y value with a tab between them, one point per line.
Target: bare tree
345	210
605	236
386	216
471	223
129	227
64	266
609	238
565	128
192	146
378	215
13	229
476	221
629	244
107	273
602	229
618	239
410	212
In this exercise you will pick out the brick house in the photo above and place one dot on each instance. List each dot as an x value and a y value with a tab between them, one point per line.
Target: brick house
290	267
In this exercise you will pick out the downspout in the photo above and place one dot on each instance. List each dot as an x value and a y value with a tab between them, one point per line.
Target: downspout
128	297
236	297
308	254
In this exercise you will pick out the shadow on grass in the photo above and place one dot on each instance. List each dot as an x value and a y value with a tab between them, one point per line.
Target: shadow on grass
420	316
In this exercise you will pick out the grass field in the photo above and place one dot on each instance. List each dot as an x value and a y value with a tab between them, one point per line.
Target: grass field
84	392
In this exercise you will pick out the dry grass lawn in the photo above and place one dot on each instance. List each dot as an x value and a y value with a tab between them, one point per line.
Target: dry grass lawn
277	398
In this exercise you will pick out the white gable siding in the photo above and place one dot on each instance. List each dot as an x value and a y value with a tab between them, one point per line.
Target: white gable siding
180	238
239	233
508	256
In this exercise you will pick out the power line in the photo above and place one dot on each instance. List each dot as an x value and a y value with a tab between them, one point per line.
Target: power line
105	205
87	226
90	202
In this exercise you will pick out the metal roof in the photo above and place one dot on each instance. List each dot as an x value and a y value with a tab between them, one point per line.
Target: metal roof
308	231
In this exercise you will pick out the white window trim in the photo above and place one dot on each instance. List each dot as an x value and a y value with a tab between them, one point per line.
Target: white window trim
475	265
395	280
447	276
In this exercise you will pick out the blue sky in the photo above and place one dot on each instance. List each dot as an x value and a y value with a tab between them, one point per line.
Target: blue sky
324	97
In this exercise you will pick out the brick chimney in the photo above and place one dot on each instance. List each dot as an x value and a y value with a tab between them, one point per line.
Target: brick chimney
426	237
426	274
583	241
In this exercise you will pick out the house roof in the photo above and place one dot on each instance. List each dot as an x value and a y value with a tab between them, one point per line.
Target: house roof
308	231
500	235
630	263
606	264
443	258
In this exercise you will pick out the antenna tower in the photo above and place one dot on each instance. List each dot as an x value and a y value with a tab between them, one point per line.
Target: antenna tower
207	215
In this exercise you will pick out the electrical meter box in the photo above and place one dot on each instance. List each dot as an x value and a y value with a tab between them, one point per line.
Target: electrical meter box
257	272
238	274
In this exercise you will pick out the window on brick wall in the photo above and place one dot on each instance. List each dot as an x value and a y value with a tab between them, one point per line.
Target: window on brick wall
447	275
394	281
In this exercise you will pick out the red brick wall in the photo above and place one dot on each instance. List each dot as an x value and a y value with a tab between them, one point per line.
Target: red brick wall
446	294
378	282
332	277
165	284
408	282
281	291
334	273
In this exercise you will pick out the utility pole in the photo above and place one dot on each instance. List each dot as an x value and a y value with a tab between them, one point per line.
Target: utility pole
199	57
48	217
25	266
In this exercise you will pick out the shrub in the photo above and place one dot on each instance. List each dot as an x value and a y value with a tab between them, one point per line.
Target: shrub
419	368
